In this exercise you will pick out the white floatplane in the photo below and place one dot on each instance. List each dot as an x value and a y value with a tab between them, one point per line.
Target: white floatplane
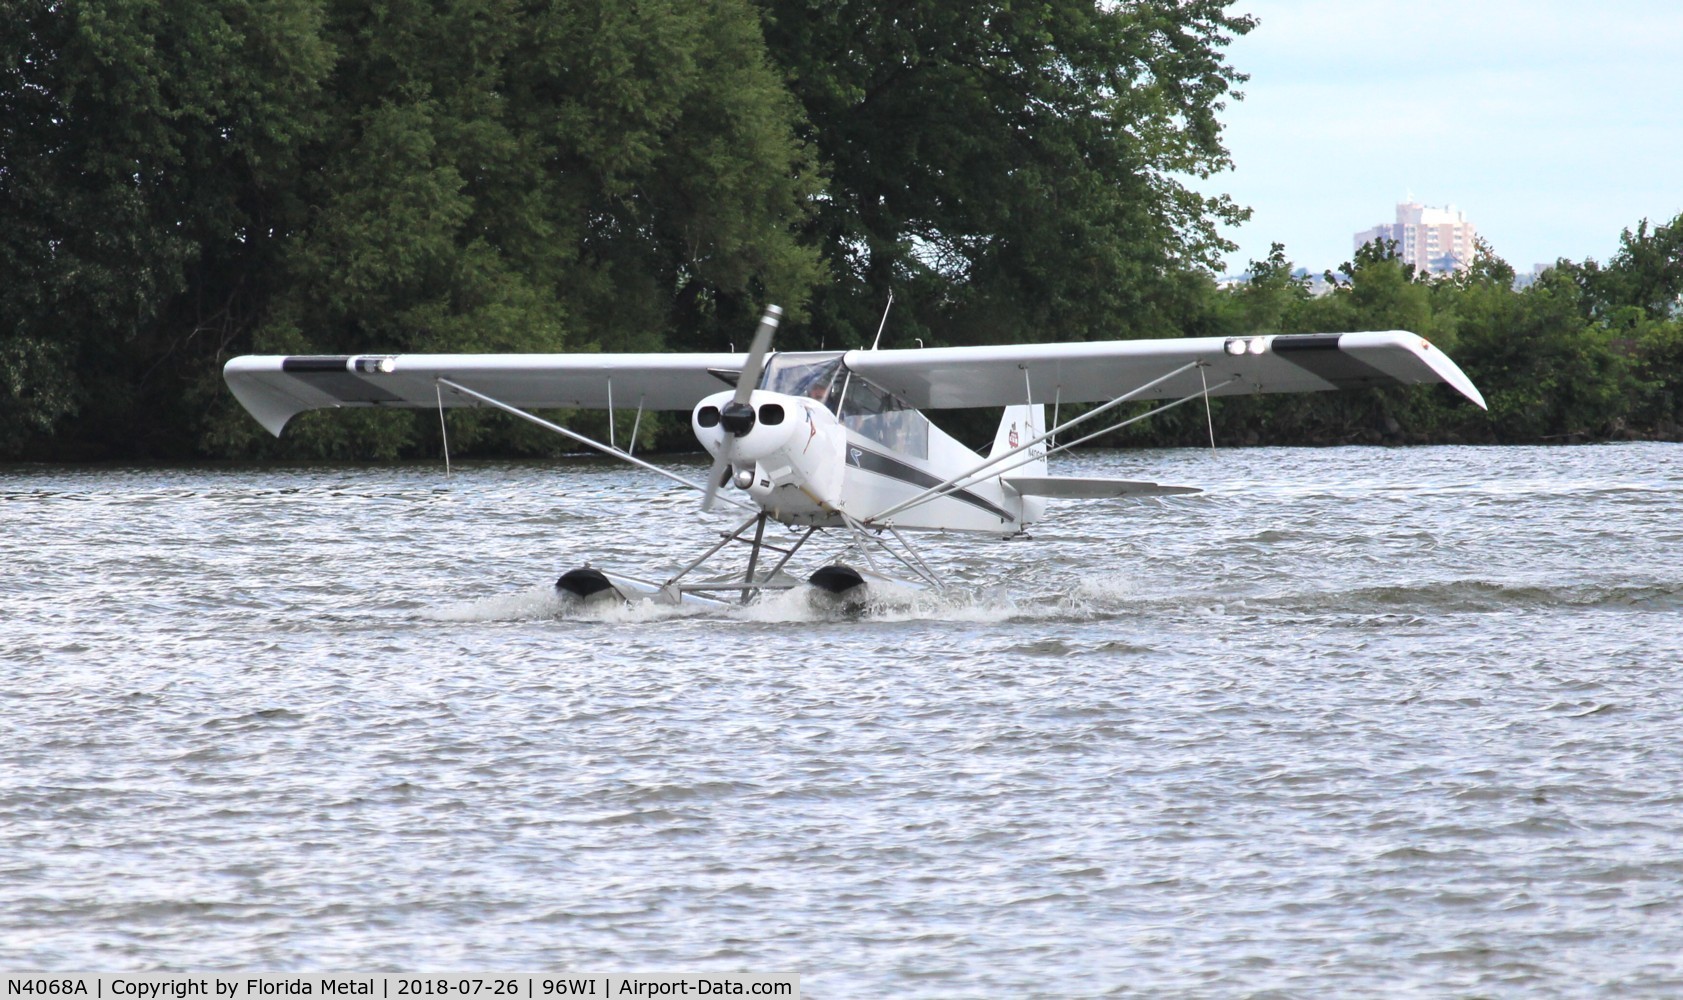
822	440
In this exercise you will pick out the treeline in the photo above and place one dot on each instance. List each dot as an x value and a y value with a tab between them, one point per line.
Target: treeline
183	181
1585	352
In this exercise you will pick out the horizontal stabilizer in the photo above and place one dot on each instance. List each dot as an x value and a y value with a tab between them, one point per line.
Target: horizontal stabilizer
1083	488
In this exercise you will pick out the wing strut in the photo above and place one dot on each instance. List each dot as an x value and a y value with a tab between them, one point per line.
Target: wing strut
962	480
580	438
1209	418
1118	426
921	568
1024	457
443	430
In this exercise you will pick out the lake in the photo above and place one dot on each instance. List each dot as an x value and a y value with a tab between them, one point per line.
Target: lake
1352	722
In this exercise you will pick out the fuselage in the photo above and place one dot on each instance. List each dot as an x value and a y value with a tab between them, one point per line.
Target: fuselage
825	442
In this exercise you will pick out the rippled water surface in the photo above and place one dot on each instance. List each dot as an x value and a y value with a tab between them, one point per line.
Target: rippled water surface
1354	722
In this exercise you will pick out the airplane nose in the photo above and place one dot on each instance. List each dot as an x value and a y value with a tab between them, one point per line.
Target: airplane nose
737	418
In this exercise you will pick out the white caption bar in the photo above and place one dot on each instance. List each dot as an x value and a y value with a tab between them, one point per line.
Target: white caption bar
385	986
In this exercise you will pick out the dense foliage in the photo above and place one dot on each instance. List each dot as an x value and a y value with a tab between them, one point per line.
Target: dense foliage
181	182
1584	352
1010	170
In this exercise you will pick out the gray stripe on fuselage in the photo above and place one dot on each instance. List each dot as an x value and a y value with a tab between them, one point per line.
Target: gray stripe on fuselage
893	468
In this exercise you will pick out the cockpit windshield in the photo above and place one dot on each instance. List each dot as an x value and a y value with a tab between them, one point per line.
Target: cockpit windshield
806	373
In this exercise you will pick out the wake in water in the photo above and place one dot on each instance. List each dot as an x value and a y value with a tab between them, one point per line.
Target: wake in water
1084	599
800	604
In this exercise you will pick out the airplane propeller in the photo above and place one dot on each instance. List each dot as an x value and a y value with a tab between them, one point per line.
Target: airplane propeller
737	416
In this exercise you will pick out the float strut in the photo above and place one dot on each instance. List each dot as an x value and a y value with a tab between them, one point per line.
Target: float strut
754	555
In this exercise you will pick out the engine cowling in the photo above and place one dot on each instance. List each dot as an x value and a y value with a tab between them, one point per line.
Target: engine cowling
792	446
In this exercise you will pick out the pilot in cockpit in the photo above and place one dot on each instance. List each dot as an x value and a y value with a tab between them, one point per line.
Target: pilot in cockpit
817	384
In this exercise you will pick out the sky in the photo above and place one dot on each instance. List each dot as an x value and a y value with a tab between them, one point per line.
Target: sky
1553	124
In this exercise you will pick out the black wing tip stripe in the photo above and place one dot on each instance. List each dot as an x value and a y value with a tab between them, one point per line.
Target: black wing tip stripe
330	374
1287	343
1320	355
315	363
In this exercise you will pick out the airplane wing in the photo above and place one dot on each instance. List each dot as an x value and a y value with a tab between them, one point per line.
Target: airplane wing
277	388
938	377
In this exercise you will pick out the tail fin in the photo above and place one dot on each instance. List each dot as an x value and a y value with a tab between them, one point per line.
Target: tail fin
1021	424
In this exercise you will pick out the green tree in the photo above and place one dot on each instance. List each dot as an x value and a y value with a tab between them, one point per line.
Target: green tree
494	176
137	139
1377	291
1634	305
1486	269
1014	170
675	149
1273	299
1545	371
183	181
1646	271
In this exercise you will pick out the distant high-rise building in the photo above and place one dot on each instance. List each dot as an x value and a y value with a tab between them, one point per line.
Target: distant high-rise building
1432	239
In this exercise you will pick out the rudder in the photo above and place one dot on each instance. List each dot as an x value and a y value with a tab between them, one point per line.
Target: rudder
1021	423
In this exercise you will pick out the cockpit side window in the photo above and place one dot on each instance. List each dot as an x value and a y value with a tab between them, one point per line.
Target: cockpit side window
880	417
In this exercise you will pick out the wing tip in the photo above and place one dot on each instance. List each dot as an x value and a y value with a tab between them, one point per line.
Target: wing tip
268	406
1440	364
1451	373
